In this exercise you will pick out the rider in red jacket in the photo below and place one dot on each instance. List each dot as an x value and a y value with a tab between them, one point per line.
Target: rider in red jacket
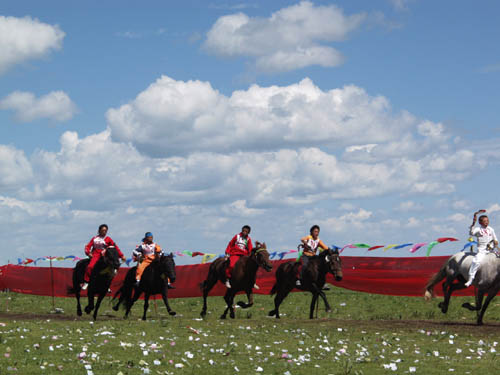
240	245
96	248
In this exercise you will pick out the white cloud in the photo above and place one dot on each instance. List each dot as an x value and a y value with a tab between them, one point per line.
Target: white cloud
23	39
409	206
56	106
493	208
15	169
349	221
291	38
175	117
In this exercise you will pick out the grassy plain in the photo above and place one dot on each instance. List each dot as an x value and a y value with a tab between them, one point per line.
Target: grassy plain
365	334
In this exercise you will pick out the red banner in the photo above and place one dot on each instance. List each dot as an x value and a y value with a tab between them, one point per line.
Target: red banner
391	276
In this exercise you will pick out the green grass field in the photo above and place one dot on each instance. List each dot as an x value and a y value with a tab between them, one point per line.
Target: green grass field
365	334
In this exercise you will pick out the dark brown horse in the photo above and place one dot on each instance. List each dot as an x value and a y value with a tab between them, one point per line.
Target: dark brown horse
243	278
154	281
103	273
313	280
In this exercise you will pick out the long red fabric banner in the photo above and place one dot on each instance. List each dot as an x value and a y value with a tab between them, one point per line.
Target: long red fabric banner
379	275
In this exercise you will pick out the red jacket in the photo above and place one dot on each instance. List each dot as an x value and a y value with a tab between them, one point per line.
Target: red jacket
239	245
97	243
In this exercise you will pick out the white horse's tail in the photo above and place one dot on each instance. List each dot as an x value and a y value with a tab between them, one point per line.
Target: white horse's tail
429	288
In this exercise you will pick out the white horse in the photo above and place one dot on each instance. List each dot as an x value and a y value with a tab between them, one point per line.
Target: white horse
456	268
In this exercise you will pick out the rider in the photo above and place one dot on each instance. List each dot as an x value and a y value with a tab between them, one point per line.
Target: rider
311	244
240	245
485	237
96	248
144	254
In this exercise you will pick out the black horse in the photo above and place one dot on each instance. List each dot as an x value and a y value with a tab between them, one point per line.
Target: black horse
154	281
243	278
100	280
314	277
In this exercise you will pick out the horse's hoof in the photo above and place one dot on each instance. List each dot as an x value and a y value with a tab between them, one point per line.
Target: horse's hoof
203	314
479	322
88	310
271	313
79	312
144	318
329	311
172	313
222	316
278	317
231	315
440	305
116	307
468	306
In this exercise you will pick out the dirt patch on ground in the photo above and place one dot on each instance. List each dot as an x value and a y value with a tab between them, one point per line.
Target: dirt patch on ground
383	325
61	317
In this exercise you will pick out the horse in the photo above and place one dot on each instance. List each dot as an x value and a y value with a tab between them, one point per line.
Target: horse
456	268
154	281
100	280
313	280
243	278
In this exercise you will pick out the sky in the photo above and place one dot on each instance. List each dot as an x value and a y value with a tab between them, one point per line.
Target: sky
375	120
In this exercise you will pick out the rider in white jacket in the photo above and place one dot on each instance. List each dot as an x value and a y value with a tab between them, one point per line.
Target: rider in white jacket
486	240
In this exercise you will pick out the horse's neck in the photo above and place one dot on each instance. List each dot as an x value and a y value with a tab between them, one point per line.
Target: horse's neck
252	264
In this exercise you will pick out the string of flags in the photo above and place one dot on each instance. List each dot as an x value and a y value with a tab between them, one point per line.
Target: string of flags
207	257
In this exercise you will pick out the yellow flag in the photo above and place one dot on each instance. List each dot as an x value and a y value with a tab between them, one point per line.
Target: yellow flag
207	258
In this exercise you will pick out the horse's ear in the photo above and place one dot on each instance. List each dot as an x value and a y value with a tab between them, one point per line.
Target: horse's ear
171	255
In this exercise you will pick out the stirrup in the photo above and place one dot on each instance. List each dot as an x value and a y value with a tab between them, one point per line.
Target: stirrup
298	283
255	286
85	286
228	284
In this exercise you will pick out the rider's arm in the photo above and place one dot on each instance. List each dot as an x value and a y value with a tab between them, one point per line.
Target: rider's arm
322	245
137	253
110	242
230	245
495	239
88	247
249	245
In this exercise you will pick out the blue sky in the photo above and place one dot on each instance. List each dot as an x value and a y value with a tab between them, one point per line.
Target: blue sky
376	120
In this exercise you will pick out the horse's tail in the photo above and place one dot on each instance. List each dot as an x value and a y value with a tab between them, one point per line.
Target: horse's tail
436	278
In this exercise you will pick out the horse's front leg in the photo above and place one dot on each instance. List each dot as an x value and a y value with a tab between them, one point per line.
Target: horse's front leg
206	286
313	305
146	305
249	293
165	301
327	305
100	297
479	302
90	305
491	295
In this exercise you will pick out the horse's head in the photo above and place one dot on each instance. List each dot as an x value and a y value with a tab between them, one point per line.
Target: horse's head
262	256
167	266
334	263
111	258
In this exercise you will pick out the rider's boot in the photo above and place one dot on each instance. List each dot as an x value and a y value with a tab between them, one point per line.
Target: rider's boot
85	286
228	284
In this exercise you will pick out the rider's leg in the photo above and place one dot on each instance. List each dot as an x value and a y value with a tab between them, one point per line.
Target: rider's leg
305	260
141	267
96	255
232	262
476	262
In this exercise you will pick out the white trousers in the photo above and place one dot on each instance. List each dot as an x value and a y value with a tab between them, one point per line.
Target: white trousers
476	262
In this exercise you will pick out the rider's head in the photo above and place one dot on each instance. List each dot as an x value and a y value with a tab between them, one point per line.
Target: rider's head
314	231
148	237
246	230
484	220
103	229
